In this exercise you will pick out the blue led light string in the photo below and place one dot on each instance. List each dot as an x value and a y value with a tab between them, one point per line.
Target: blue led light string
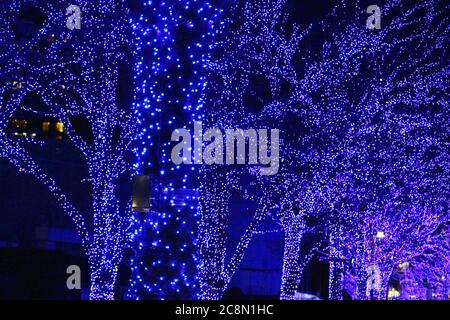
172	44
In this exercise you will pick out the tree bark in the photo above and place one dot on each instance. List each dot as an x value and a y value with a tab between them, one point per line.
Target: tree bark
102	282
293	232
336	271
336	281
361	284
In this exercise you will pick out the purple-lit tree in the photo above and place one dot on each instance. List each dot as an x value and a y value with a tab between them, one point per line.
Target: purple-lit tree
425	276
74	77
391	236
397	151
363	141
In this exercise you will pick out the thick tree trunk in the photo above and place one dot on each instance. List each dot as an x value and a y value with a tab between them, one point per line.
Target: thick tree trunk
336	281
361	284
336	271
293	232
212	233
212	252
103	280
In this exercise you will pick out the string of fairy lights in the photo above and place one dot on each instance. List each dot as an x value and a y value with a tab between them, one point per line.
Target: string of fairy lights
359	103
172	43
364	142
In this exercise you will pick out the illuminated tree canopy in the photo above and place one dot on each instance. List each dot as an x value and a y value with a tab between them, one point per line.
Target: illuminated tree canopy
363	115
75	75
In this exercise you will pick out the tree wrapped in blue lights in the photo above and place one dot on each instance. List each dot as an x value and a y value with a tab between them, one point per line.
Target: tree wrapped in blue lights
251	84
172	43
75	77
364	122
364	150
400	159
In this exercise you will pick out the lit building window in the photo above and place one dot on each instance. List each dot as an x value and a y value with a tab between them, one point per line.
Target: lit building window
19	124
45	126
59	127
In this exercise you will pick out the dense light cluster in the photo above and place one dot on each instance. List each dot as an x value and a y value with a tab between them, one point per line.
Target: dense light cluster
172	40
364	122
73	76
364	119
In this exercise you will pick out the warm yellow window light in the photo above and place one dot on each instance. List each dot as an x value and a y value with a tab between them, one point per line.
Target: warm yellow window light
60	127
45	126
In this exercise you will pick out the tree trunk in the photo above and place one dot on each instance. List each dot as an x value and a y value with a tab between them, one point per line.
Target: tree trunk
336	271
293	232
212	233
361	284
336	281
103	280
212	292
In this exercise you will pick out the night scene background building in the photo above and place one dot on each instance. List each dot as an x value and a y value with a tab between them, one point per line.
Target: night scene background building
358	209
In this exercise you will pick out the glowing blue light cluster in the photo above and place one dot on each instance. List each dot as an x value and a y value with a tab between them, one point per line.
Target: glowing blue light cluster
76	74
364	118
364	151
172	42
